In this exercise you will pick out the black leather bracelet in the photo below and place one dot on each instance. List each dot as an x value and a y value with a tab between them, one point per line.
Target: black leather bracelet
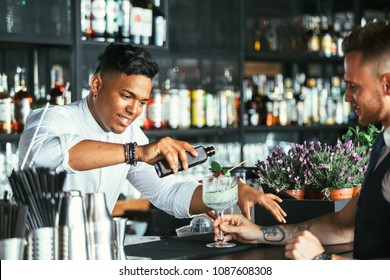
130	153
132	160
322	256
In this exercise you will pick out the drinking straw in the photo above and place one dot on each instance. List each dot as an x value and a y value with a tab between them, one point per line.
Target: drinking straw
34	136
45	135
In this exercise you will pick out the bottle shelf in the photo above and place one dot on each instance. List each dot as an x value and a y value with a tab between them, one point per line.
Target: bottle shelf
290	57
297	128
35	40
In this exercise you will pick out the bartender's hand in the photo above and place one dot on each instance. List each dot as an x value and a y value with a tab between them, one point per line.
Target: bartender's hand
248	197
166	148
303	246
236	226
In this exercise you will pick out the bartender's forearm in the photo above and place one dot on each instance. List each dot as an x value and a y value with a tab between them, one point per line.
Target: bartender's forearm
197	206
89	154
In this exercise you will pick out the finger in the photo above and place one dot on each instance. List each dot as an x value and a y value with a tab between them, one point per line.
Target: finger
274	197
172	161
183	157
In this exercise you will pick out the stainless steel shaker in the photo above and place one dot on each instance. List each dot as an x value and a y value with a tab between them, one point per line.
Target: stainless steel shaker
72	227
99	228
119	237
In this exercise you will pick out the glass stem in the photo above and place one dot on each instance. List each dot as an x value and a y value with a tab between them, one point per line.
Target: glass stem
221	237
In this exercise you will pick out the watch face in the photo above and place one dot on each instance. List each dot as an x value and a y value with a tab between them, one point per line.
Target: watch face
322	257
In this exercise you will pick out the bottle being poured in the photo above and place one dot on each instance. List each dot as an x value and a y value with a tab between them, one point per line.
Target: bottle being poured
163	169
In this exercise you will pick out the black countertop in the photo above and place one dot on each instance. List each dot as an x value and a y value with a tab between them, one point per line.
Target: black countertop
194	248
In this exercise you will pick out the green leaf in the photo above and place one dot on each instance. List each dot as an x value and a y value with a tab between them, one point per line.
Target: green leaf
225	172
216	167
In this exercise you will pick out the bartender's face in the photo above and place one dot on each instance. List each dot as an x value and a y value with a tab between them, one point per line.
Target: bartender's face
119	99
364	90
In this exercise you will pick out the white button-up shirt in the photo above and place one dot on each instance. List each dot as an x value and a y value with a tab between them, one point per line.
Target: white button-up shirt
65	126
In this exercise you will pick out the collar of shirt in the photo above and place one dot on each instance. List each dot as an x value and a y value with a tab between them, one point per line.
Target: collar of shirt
386	136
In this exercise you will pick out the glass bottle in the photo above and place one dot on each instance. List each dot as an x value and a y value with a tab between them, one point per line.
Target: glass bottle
5	106
163	169
22	100
159	25
98	23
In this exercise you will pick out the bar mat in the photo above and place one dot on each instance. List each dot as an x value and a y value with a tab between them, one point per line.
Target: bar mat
181	248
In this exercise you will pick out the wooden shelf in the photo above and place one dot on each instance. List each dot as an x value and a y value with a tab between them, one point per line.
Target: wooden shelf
122	206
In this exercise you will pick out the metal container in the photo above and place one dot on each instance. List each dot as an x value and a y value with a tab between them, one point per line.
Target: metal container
72	227
119	237
12	248
100	228
42	244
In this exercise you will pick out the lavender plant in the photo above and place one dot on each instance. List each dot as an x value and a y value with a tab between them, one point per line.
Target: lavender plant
314	165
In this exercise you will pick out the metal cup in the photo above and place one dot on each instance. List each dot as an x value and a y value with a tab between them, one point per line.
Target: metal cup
72	230
12	248
119	237
99	228
42	244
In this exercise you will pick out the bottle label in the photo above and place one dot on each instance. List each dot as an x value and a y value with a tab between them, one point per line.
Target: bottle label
197	108
184	108
173	112
136	21
22	110
147	22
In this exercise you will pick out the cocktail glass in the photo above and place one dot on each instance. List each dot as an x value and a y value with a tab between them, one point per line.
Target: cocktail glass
220	193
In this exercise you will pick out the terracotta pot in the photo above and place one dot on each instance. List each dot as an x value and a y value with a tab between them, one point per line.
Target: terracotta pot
298	194
341	194
314	194
356	190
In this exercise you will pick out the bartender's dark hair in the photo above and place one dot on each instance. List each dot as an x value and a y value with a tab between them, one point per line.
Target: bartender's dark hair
373	40
128	59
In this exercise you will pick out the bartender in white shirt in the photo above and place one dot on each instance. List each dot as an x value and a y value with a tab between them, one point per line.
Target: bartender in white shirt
96	141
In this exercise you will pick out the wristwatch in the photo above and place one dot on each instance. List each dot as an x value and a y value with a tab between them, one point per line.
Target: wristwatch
322	256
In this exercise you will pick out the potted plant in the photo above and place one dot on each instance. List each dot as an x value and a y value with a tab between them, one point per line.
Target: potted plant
284	171
314	166
340	167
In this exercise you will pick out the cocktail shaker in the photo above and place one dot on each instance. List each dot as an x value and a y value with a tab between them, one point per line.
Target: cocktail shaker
71	225
119	237
99	228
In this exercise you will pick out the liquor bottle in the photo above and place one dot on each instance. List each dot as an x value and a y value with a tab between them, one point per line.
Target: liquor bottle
136	22
326	38
147	22
250	105
154	112
322	98
124	22
198	115
314	30
85	11
22	100
163	169
56	93
159	33
5	106
184	106
98	20
112	20
261	97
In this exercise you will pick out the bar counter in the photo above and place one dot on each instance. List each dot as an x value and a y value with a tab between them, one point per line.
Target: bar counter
194	248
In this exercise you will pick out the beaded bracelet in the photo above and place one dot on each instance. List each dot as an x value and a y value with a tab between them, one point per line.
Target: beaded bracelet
130	153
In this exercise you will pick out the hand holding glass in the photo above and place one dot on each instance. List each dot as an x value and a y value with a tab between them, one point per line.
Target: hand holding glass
220	193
